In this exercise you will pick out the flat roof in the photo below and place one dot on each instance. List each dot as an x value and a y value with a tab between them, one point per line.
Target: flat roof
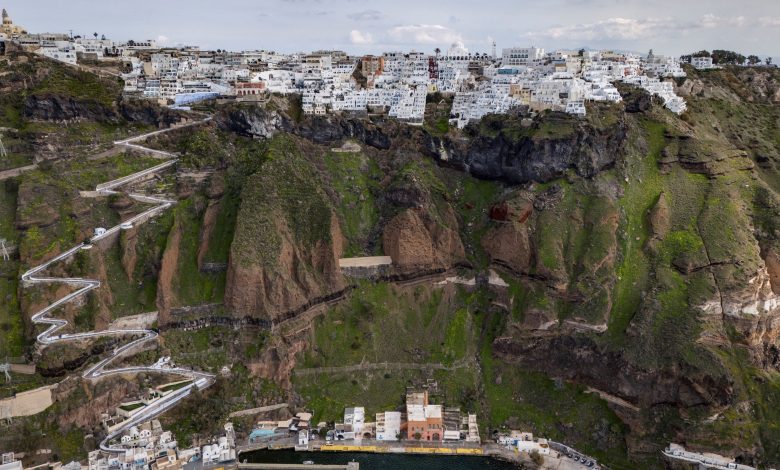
365	262
433	411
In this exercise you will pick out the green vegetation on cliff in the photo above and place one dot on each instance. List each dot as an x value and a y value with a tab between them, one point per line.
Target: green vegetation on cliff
283	196
355	181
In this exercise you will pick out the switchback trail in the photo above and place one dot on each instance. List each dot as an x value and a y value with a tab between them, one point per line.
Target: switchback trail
138	337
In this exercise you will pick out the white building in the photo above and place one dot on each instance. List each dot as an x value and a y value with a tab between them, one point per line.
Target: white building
388	425
9	462
61	54
521	55
355	417
702	63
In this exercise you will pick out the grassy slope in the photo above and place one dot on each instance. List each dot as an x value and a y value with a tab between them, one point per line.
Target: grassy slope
12	340
354	179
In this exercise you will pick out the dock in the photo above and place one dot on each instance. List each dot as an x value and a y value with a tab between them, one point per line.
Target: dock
298	466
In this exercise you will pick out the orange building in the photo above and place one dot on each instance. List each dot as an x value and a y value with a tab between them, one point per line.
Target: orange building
423	420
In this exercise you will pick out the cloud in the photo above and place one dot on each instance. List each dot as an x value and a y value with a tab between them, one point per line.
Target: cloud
424	34
631	29
366	15
358	37
611	28
712	21
769	21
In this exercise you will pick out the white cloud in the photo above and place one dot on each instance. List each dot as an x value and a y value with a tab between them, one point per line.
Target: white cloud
366	15
359	37
611	28
713	21
425	34
630	29
162	39
769	21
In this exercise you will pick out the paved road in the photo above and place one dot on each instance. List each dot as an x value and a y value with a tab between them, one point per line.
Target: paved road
138	336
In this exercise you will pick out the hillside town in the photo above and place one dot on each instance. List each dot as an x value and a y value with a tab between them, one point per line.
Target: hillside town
395	83
421	427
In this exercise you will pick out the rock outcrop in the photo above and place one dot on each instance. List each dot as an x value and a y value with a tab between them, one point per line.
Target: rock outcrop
509	152
417	242
580	359
299	278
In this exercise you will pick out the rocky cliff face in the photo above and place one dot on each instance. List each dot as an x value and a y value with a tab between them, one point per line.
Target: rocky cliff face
285	252
638	253
500	147
264	122
416	242
518	152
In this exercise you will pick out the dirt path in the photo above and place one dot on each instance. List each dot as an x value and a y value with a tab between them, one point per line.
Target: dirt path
14	172
367	366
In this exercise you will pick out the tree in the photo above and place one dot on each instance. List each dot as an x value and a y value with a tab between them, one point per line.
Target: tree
437	51
417	436
768	61
581	53
536	457
95	34
720	56
753	59
102	37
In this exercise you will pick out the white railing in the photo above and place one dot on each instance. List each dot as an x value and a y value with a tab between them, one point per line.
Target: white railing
140	336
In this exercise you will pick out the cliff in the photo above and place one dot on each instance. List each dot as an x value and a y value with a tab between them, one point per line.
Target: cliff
610	281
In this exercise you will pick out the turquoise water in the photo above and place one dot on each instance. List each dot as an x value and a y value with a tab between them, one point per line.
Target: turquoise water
381	461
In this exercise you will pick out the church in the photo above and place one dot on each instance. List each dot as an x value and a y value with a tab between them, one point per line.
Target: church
9	29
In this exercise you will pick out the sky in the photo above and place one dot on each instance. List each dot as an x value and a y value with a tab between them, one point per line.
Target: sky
671	27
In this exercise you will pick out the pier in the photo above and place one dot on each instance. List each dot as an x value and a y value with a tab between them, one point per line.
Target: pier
298	466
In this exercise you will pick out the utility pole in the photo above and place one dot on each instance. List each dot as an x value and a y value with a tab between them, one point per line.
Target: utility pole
5	368
3	153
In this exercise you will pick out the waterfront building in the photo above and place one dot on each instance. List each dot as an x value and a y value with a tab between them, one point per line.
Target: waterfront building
472	429
355	417
424	420
388	426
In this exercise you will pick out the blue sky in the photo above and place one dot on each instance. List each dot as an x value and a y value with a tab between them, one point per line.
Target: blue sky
363	26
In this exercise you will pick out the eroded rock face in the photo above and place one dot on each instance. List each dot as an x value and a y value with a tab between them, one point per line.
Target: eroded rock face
585	150
415	241
509	243
576	145
260	122
165	291
51	107
299	278
54	107
101	396
580	359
